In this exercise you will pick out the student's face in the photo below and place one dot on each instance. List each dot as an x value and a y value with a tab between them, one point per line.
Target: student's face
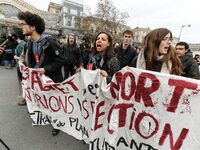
126	39
102	43
198	59
27	29
71	40
165	45
180	50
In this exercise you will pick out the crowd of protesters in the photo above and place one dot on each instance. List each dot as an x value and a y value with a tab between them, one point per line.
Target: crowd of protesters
59	60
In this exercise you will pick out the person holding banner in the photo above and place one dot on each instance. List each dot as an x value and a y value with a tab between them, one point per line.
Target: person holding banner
158	53
189	64
41	52
104	56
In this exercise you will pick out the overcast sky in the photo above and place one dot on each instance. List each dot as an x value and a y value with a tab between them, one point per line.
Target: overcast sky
171	14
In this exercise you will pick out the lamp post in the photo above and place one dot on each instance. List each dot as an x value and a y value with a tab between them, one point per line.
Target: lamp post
187	25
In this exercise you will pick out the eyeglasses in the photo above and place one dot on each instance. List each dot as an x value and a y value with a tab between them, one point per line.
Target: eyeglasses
166	39
178	48
23	24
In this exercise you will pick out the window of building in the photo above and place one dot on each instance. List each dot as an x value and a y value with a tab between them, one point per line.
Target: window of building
69	20
74	12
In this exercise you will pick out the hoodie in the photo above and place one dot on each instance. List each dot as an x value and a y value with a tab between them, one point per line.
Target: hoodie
189	66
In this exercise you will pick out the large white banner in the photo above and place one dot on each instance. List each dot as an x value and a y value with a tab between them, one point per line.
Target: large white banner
139	110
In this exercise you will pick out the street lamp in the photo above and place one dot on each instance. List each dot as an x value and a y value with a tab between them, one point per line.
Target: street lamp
186	25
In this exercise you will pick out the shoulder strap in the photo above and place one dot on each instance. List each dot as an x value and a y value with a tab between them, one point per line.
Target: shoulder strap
26	46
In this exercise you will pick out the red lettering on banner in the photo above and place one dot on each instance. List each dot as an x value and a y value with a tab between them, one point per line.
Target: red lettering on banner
35	80
139	119
25	76
84	107
180	85
39	101
123	85
109	117
143	92
53	98
122	115
65	105
70	104
75	88
57	87
132	118
59	104
92	103
167	131
45	102
27	95
98	114
114	86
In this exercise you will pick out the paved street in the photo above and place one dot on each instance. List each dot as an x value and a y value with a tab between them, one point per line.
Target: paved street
15	123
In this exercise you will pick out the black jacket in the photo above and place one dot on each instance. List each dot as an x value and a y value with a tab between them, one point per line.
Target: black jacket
125	56
190	66
49	58
72	55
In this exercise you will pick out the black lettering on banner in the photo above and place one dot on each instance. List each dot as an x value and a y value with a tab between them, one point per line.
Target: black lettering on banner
148	146
123	141
108	146
95	145
40	118
84	91
79	103
135	145
74	122
61	124
92	87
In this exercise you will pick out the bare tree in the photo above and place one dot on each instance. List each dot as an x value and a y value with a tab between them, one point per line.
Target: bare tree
106	18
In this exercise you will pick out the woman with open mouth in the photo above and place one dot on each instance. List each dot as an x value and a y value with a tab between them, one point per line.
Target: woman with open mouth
104	56
158	54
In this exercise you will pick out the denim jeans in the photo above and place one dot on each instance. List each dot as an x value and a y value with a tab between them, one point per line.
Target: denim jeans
7	63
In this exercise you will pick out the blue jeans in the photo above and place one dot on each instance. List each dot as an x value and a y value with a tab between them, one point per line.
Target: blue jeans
7	63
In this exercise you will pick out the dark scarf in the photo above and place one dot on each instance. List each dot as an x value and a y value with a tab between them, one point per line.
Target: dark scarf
98	62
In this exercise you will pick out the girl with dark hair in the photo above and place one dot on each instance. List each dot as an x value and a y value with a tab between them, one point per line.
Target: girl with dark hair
72	56
158	54
104	56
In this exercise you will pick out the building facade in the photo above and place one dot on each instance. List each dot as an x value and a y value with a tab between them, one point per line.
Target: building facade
139	34
71	16
8	16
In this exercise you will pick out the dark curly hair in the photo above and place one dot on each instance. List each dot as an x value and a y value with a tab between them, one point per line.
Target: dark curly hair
33	20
